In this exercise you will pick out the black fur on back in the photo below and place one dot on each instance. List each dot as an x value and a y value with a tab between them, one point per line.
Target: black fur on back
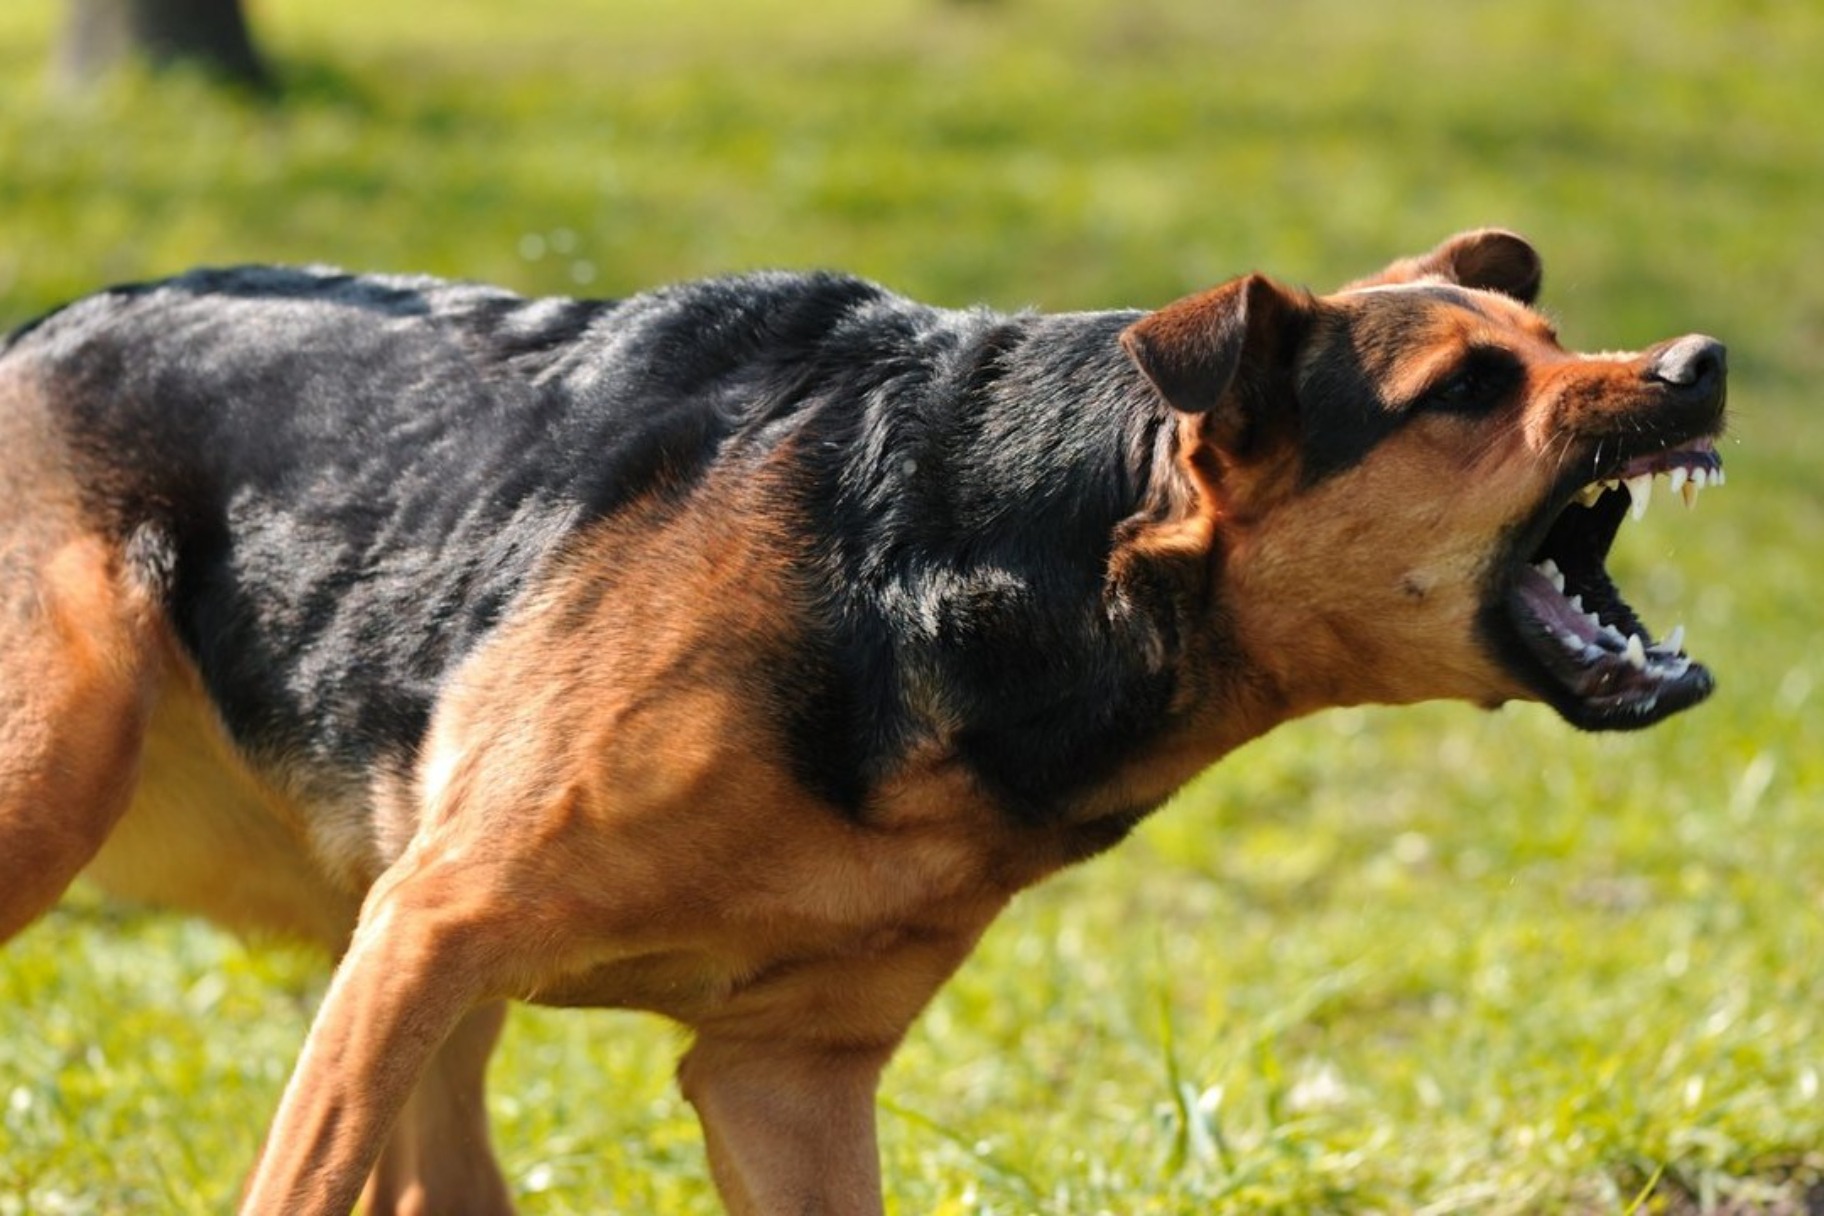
355	476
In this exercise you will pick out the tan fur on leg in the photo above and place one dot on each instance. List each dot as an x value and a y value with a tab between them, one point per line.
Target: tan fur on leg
439	1161
416	969
75	690
790	1126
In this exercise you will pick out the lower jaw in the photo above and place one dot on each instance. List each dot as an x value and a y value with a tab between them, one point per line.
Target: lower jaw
1613	694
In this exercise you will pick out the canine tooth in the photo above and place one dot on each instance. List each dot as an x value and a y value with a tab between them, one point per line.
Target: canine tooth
1640	488
1675	641
1678	477
1690	490
1636	653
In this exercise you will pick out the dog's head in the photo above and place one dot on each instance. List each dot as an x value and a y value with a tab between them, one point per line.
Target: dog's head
1413	487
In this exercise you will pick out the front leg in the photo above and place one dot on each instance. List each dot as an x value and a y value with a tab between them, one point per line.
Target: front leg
424	954
439	1161
790	1126
783	1076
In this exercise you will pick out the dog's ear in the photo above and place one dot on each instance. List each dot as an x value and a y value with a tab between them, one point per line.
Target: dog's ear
1489	258
1205	353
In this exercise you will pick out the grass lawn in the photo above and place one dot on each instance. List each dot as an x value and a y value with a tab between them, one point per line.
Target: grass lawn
1423	961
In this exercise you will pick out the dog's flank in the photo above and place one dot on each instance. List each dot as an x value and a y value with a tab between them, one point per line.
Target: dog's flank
737	650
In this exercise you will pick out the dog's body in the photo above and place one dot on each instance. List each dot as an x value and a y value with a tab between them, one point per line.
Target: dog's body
737	651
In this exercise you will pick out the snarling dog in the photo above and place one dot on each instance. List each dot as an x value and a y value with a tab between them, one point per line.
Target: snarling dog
736	651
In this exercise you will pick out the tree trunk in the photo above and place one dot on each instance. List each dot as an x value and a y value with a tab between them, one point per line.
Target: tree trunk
99	35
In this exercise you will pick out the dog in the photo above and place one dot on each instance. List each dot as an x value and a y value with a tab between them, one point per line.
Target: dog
736	651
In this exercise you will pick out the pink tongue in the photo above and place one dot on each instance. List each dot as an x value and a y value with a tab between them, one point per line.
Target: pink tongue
1544	602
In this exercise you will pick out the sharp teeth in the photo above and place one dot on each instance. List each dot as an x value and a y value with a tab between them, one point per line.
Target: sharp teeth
1678	476
1675	641
1641	490
1576	603
1636	653
1691	487
1552	573
1589	494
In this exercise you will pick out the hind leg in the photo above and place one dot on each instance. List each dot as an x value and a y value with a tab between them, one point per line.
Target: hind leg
76	673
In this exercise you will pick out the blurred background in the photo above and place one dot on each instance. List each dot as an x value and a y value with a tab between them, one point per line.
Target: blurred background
1429	961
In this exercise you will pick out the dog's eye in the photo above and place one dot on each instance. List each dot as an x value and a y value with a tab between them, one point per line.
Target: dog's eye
1463	384
1481	382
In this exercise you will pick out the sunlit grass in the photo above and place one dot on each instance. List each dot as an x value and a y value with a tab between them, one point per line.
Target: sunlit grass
1417	961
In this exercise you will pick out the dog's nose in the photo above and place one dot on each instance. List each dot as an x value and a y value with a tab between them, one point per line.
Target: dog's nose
1695	361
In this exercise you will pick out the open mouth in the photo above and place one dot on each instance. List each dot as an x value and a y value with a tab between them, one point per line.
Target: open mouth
1605	670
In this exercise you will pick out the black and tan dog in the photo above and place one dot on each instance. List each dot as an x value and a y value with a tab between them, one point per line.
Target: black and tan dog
736	651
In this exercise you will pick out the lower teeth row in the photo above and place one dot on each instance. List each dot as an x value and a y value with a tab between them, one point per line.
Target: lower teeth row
1665	655
1668	653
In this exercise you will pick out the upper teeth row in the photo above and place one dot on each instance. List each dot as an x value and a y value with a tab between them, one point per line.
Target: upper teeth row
1685	482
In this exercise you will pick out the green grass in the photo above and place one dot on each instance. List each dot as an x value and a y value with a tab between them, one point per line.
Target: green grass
1420	961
